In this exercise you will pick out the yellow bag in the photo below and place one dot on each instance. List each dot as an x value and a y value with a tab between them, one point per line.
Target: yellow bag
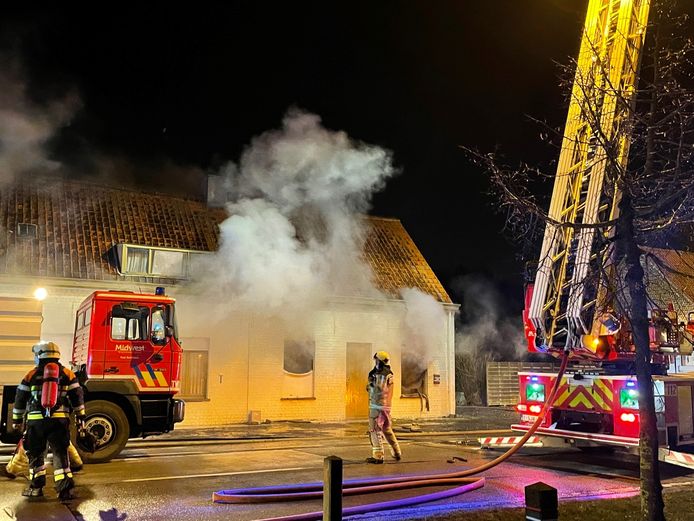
19	463
75	460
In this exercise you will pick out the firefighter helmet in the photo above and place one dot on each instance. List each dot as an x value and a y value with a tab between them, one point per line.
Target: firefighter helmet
45	350
382	356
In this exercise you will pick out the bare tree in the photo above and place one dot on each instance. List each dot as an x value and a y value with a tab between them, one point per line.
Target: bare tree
649	198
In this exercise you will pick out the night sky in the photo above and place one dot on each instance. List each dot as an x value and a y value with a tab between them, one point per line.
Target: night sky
191	87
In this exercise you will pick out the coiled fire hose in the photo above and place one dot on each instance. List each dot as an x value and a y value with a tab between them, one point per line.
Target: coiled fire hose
462	480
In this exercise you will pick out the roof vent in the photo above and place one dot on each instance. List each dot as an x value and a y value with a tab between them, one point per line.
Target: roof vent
26	231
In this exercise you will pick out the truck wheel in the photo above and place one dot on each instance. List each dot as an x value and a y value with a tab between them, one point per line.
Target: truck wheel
109	425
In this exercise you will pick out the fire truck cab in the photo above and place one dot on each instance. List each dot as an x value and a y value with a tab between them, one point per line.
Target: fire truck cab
127	356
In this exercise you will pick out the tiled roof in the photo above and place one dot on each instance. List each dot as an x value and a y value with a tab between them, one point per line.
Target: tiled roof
78	225
397	262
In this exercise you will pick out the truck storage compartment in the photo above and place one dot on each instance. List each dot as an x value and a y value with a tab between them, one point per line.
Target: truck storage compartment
583	421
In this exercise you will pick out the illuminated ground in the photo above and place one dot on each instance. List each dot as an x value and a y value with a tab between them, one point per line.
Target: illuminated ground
175	479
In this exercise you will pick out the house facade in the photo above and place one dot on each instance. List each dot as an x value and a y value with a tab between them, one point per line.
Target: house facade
74	238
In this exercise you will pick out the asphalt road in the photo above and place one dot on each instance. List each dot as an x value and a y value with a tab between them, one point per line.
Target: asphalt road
174	480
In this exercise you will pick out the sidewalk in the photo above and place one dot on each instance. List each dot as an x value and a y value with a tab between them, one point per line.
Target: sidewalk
471	419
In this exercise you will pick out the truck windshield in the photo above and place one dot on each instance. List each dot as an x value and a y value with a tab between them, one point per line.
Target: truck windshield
130	324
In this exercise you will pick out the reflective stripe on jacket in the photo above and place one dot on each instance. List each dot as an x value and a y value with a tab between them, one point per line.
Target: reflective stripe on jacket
28	398
380	388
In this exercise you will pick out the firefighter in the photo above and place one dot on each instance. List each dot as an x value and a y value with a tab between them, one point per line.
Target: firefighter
380	388
42	406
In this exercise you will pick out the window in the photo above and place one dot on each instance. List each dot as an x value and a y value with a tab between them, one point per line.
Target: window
168	263
158	334
83	318
137	260
298	356
26	231
128	322
414	375
153	262
125	329
298	369
194	375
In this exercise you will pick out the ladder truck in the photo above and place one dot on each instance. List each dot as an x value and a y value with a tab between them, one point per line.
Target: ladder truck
569	307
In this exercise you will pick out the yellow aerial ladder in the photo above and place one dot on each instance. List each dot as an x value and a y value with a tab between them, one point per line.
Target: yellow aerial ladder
570	299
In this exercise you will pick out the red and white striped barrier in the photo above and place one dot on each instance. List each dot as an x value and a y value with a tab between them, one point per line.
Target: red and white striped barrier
681	459
509	441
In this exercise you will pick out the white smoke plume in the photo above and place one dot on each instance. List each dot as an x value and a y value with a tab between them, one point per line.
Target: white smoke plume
424	326
485	328
25	126
295	234
485	333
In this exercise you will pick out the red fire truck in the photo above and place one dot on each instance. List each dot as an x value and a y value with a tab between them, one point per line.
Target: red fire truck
571	306
127	355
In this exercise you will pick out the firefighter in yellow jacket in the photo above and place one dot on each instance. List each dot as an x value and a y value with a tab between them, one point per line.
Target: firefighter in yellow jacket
44	400
380	388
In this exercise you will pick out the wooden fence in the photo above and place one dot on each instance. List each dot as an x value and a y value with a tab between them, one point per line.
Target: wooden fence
502	380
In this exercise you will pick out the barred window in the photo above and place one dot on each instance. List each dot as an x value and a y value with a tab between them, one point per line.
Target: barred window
194	375
26	230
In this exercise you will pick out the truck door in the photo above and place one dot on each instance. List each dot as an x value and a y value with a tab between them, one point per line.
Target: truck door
128	344
158	365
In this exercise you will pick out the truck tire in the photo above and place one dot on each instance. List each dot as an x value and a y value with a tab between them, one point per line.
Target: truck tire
109	425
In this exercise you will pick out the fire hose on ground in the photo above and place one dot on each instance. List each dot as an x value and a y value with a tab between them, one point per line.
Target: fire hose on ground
462	480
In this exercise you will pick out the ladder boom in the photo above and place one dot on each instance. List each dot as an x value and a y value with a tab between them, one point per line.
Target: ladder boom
570	288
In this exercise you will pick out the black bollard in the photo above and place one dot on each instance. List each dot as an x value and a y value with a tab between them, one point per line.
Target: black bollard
541	502
332	489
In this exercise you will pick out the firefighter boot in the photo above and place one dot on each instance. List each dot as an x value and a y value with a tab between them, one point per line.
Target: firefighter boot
64	488
33	492
375	461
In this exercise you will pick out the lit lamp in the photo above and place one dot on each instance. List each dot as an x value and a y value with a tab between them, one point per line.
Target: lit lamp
40	293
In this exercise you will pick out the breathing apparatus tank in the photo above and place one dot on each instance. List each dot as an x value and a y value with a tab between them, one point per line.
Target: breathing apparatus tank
49	389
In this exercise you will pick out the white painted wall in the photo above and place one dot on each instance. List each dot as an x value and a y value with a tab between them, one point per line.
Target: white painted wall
246	355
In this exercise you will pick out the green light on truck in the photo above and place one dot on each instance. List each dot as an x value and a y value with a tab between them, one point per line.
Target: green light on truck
535	393
629	399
